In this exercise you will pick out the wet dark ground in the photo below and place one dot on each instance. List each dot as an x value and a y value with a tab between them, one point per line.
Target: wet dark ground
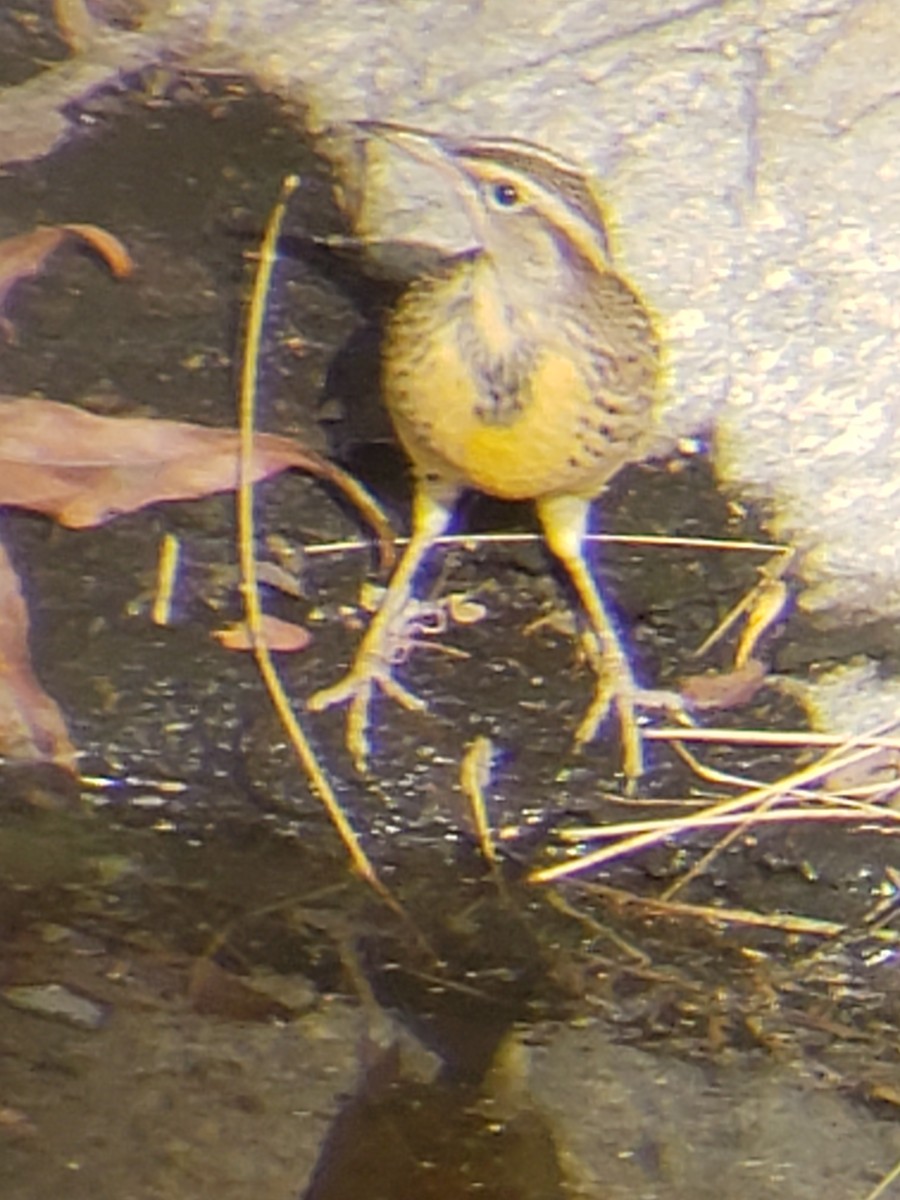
194	892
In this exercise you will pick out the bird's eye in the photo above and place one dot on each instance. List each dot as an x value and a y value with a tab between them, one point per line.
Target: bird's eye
505	195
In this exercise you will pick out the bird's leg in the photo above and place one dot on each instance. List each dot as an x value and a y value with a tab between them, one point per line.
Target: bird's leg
372	668
564	519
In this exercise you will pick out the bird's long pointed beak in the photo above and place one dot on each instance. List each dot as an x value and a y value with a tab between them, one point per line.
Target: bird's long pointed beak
438	152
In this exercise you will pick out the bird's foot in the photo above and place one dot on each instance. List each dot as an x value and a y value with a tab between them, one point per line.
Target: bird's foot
387	644
617	690
370	674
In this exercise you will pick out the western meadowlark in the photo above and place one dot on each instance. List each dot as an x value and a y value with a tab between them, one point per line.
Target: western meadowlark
526	368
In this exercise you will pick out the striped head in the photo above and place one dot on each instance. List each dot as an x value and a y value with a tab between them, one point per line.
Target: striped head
532	211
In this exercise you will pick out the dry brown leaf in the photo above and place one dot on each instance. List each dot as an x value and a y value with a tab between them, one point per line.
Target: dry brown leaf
32	727
84	469
104	243
724	689
279	636
214	992
25	254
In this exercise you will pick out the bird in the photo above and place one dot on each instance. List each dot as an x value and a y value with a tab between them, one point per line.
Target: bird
524	367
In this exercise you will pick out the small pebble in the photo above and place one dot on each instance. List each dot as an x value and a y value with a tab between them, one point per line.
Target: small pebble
58	1003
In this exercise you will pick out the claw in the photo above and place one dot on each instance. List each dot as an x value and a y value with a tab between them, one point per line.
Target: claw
564	519
358	688
628	700
386	642
616	688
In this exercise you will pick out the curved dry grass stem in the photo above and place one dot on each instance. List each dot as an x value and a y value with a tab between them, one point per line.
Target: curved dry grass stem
758	805
781	816
315	773
760	608
785	922
879	1190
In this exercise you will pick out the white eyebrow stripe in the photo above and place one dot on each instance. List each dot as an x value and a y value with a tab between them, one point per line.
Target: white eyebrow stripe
586	231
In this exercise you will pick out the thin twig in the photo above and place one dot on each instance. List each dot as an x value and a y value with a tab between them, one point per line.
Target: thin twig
247	543
786	922
474	777
757	799
609	539
804	739
892	1176
583	833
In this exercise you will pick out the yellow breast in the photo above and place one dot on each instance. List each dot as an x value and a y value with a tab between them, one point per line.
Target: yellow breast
516	403
446	425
